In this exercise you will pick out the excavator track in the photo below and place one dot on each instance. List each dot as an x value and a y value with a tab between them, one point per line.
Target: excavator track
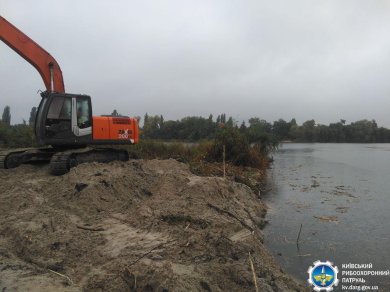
14	158
62	162
2	160
11	158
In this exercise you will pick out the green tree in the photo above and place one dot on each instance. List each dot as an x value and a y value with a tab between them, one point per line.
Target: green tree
152	126
146	119
363	131
296	133
6	118
309	130
281	128
33	114
258	130
336	132
236	146
243	127
223	118
293	122
230	122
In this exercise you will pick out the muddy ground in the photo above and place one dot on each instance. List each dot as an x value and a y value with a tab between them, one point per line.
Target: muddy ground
132	226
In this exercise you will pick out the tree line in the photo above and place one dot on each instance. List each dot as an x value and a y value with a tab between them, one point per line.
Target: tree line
256	129
363	131
194	129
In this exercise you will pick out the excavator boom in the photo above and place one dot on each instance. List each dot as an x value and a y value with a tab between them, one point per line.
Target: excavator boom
46	65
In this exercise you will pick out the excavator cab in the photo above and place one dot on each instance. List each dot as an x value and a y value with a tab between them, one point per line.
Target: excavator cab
64	119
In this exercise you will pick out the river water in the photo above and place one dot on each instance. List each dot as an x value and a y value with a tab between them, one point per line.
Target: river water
340	193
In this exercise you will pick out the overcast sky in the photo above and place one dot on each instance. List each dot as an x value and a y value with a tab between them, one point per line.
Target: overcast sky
324	60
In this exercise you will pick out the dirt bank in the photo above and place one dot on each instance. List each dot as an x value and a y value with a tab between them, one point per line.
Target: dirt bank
135	226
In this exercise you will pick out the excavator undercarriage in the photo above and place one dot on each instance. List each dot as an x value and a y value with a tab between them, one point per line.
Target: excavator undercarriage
60	161
14	158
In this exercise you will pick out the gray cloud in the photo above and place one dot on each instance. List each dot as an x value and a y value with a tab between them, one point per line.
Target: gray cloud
273	59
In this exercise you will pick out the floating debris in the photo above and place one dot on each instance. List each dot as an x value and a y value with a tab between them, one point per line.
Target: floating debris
343	193
315	184
327	218
342	209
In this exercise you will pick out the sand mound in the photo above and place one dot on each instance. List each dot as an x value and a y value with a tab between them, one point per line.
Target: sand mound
134	226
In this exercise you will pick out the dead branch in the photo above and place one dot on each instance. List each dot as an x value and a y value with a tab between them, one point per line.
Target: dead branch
90	228
299	235
121	220
70	282
231	215
52	224
253	272
145	254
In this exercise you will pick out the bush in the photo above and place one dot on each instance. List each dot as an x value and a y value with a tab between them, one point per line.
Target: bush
151	149
16	136
238	150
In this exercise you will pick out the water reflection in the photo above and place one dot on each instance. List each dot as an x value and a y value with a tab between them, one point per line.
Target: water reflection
294	150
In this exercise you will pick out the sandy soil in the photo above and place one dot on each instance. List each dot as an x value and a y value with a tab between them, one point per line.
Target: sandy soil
134	226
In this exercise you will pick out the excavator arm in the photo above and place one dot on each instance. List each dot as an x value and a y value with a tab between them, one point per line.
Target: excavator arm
46	65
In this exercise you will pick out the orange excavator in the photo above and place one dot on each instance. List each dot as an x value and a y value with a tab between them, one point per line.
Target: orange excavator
64	121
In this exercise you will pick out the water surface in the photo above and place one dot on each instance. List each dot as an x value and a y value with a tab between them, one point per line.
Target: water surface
340	193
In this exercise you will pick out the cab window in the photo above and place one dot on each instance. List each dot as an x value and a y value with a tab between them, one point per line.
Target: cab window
66	111
60	108
83	113
59	116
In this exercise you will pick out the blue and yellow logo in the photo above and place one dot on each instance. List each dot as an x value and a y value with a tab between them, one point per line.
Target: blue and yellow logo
323	276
